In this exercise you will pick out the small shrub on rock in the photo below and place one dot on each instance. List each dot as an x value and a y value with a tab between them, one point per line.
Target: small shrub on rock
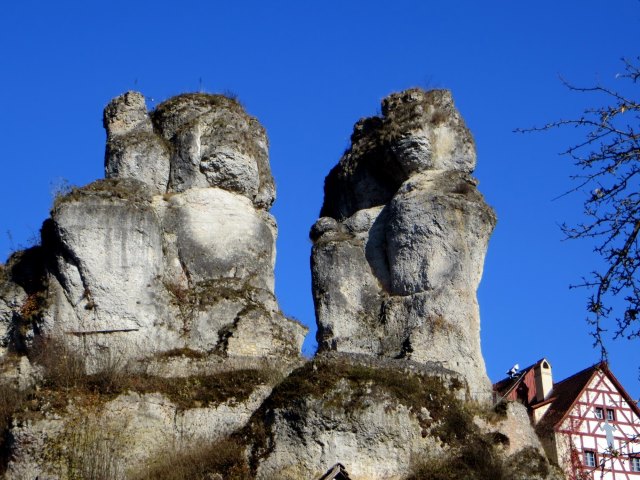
62	369
11	400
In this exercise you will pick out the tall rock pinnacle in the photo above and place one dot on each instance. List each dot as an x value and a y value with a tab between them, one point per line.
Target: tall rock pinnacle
165	269
399	249
175	249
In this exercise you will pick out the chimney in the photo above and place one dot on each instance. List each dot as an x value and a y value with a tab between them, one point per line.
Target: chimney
543	379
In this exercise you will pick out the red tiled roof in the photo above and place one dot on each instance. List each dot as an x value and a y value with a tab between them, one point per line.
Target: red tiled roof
563	396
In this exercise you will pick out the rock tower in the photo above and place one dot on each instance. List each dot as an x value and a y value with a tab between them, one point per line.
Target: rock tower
164	347
397	258
399	249
175	249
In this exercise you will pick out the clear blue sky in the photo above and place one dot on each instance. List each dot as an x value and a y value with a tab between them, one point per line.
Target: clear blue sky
308	71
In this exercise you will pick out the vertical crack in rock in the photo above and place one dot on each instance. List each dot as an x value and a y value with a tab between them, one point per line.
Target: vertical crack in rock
399	249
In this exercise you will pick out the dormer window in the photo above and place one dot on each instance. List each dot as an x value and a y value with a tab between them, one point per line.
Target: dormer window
599	413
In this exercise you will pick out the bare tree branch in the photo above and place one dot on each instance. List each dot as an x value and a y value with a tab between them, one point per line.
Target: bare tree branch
609	157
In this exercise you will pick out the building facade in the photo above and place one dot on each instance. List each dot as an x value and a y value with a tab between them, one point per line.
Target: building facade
587	423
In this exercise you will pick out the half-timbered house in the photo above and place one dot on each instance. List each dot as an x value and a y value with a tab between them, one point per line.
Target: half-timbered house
587	423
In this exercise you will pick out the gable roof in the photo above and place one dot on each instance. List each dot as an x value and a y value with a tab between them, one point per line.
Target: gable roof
563	396
567	392
507	384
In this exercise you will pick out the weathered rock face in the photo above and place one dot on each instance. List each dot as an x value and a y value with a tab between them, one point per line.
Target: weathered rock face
386	420
190	141
158	345
22	298
399	248
12	297
133	149
120	436
342	409
174	249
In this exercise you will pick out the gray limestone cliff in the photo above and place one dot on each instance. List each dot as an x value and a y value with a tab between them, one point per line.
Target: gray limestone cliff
388	419
399	249
174	249
142	339
398	389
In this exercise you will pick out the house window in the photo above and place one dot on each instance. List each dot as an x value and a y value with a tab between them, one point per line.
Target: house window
611	416
599	413
590	458
635	464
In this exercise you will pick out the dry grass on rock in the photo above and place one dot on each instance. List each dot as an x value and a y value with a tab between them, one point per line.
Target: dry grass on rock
220	460
64	376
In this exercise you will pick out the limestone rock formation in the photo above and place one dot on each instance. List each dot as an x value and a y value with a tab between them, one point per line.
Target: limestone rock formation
133	149
387	419
194	140
142	338
398	390
86	439
363	413
175	249
399	249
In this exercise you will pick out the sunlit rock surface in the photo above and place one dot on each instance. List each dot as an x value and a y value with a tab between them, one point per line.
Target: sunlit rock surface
399	248
174	249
